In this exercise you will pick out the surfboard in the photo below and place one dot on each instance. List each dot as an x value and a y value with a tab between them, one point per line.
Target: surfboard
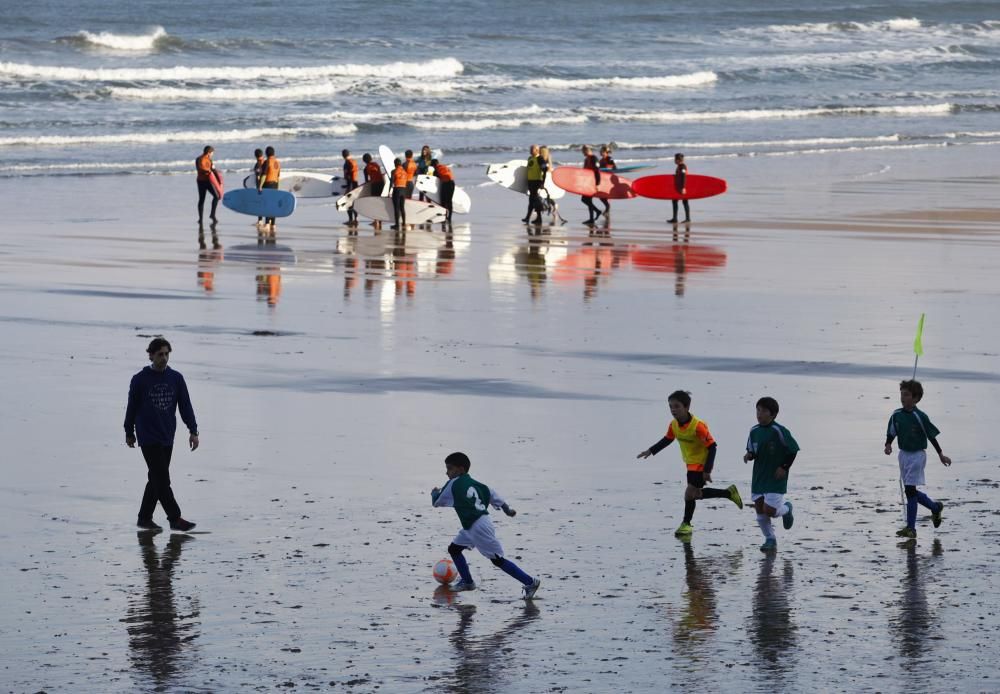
344	202
266	203
417	211
575	179
662	187
216	180
514	175
304	184
387	157
460	201
629	168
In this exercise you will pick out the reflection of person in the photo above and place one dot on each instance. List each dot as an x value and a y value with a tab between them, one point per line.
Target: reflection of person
269	284
537	168
698	452
772	631
350	183
206	169
772	449
914	429
471	500
208	260
701	615
532	261
154	396
590	162
680	259
915	620
158	633
447	185
270	177
680	185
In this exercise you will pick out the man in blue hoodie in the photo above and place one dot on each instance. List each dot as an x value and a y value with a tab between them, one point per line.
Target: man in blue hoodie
154	395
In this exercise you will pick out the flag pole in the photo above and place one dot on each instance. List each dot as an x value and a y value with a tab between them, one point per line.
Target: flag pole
918	349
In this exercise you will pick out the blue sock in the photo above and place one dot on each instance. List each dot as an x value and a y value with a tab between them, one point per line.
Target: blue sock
911	512
926	501
511	569
462	566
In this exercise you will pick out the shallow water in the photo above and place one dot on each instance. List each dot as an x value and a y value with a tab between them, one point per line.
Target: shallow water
331	373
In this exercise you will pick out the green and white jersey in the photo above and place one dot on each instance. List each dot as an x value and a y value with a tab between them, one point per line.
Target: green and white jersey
912	428
771	446
470	499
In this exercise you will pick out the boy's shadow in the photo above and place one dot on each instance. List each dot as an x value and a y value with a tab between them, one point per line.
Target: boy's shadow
915	619
772	631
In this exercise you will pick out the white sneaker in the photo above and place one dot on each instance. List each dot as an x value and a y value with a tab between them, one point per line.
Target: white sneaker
529	591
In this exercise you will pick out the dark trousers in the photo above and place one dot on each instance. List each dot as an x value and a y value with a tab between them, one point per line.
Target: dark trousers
534	198
158	484
447	193
399	206
206	187
687	209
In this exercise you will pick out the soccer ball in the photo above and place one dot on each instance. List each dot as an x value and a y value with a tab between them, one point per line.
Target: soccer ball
445	571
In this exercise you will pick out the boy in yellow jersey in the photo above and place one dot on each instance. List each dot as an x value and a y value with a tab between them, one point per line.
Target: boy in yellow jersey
698	451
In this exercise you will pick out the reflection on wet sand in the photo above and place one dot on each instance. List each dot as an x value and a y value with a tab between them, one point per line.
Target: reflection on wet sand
158	633
482	663
915	621
680	258
208	259
771	629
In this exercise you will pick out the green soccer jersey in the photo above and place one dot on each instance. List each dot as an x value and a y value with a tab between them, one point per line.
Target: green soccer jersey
471	499
771	446
912	428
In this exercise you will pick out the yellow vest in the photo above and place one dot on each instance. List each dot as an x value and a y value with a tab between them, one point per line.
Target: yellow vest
693	449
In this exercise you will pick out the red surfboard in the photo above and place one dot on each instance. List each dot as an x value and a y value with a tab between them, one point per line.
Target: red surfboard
662	187
216	180
580	181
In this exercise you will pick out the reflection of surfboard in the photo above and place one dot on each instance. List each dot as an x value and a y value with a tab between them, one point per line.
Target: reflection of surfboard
271	254
216	180
627	169
387	157
662	187
581	182
417	211
514	175
266	203
678	257
345	201
460	201
304	184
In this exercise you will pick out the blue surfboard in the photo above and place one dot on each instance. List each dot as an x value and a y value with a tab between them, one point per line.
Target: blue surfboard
266	203
628	168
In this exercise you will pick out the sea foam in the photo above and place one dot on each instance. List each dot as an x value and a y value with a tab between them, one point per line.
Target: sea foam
124	42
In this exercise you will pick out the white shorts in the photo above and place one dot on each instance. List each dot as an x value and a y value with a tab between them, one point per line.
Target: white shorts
773	500
481	536
911	467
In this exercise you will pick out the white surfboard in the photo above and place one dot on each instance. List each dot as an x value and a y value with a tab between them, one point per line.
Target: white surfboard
305	184
460	201
387	157
344	202
514	175
417	212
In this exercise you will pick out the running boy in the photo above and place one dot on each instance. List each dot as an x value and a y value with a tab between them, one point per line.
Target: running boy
471	500
698	452
772	449
914	429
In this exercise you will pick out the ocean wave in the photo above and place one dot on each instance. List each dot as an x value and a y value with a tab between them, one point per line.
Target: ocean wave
440	67
739	144
763	114
693	79
897	24
393	116
124	42
179	136
496	123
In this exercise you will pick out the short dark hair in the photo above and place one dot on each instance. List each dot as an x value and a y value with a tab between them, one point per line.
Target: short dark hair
678	156
258	152
208	148
434	162
458	459
769	404
346	153
914	388
269	151
366	157
157	344
681	396
408	153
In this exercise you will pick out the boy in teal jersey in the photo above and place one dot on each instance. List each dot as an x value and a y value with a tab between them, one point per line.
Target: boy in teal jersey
914	429
772	449
471	501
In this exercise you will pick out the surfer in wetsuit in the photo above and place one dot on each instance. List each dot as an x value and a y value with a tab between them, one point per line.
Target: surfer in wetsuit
411	172
258	171
399	194
590	162
447	186
269	177
350	183
537	169
680	185
373	175
607	163
206	169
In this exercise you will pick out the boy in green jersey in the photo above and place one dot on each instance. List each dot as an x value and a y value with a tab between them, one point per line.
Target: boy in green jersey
772	449
914	429
471	501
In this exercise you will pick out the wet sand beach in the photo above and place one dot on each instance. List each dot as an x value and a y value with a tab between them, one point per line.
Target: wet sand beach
332	372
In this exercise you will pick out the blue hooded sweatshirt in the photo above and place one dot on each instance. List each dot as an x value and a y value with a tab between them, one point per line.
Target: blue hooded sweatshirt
153	399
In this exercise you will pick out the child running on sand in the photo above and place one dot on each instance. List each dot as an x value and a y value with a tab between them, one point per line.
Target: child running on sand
772	449
698	452
914	429
471	500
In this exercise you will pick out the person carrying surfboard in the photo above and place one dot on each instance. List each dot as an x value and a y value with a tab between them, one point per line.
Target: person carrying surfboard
206	170
373	175
590	162
447	188
424	166
411	171
258	171
606	163
680	185
269	178
399	194
350	183
550	202
537	168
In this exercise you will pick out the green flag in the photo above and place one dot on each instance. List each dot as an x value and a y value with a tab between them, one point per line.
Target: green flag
918	343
